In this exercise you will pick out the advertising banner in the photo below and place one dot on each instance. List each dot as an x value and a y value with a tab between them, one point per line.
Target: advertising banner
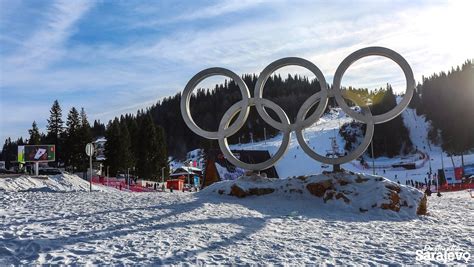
37	153
21	154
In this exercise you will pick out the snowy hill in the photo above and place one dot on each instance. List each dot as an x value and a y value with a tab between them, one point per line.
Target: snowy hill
318	136
54	183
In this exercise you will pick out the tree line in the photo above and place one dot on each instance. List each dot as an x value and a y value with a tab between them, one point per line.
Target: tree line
447	100
390	138
133	142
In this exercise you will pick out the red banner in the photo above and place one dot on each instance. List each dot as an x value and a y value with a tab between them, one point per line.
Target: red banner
458	173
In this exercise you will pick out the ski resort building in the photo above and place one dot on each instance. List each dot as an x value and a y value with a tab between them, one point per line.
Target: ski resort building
99	144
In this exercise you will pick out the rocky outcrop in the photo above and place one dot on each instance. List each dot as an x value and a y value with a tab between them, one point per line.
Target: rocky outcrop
235	190
364	193
320	188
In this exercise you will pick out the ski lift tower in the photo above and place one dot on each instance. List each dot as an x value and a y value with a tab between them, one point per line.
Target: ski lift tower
334	152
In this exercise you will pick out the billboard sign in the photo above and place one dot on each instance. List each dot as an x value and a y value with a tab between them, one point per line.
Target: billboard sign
21	154
36	153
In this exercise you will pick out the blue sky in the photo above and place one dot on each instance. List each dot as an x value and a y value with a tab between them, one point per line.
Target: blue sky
114	57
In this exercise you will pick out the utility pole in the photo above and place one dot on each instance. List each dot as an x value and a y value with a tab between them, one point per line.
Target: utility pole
90	152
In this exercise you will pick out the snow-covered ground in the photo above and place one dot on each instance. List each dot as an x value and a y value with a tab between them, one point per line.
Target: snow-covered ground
53	183
116	227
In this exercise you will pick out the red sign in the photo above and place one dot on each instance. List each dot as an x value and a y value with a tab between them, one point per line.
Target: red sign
458	173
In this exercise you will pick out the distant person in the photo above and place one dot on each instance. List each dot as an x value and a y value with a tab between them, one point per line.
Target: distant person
428	191
439	194
163	187
154	187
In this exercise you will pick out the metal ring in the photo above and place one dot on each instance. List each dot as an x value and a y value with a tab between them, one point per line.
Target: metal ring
224	146
374	51
243	106
186	98
369	133
262	79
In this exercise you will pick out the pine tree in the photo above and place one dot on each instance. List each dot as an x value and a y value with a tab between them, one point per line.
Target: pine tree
98	129
112	147
35	136
133	131
162	153
72	143
125	148
55	130
84	137
150	150
55	121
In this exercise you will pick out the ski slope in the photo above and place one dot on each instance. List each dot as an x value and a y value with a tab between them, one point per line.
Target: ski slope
296	162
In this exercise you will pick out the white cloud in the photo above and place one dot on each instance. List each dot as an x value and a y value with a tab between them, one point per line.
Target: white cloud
46	43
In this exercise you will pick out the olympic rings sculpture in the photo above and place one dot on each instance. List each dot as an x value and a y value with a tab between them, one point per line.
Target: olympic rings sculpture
302	120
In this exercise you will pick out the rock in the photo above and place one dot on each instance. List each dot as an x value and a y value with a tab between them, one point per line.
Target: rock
394	202
341	195
237	191
220	191
294	190
393	187
359	179
423	207
249	173
363	210
329	195
343	182
302	178
260	191
318	189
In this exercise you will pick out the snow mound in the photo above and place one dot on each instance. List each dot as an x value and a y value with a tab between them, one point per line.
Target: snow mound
54	183
353	192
